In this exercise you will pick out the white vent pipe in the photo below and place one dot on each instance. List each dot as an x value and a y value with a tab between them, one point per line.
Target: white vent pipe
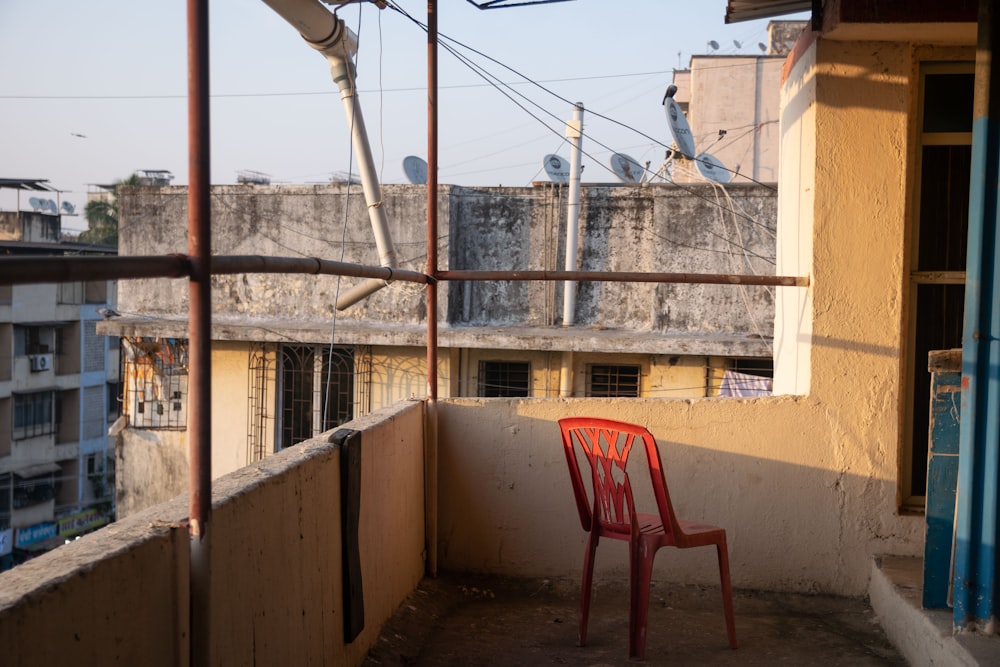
574	132
328	34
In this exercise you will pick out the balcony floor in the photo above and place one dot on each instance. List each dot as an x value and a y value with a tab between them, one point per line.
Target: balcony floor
474	620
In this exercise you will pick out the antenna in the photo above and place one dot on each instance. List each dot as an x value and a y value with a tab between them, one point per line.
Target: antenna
557	168
679	127
626	168
415	169
713	45
712	169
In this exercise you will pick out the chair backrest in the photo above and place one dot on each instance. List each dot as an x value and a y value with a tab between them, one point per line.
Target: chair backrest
606	444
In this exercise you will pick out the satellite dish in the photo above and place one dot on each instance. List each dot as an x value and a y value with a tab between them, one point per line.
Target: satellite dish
68	208
415	169
557	168
714	45
762	46
679	127
35	202
51	206
738	45
712	169
626	168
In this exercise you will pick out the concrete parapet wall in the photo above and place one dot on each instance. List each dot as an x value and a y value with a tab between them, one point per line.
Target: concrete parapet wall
120	595
803	509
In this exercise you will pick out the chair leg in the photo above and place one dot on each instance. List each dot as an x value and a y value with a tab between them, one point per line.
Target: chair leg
640	578
727	591
588	580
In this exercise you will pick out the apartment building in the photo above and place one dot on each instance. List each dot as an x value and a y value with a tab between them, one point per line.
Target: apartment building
58	388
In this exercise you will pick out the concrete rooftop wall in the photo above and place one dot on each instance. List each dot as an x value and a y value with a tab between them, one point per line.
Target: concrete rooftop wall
694	229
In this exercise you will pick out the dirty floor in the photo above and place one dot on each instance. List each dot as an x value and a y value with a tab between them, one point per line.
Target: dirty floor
474	620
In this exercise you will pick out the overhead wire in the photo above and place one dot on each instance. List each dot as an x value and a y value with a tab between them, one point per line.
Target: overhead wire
446	43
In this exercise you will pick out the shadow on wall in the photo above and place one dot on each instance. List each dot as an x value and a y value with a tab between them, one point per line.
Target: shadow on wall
794	521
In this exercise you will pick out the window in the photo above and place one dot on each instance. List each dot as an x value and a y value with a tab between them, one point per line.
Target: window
606	381
6	485
34	340
35	414
501	379
35	489
937	253
742	377
317	391
113	401
156	382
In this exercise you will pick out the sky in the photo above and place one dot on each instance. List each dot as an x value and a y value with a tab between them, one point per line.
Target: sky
93	91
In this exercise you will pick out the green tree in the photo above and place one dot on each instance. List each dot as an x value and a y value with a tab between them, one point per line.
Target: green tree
102	216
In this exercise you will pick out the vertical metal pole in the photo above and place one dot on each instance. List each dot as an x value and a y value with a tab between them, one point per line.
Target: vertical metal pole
431	500
199	334
574	131
976	555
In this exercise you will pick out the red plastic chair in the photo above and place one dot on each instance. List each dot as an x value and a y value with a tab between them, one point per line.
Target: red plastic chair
611	513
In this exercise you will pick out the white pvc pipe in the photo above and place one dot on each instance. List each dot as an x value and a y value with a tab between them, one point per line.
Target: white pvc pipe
330	36
574	131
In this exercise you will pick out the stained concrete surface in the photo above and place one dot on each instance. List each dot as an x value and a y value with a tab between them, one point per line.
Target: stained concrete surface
474	620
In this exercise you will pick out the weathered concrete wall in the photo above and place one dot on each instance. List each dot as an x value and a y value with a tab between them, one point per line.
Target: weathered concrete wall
29	226
119	596
786	480
661	228
151	467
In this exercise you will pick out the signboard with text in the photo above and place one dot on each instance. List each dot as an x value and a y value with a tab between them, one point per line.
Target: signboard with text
31	534
81	522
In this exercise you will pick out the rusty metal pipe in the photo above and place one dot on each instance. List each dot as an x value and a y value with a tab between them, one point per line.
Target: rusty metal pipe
628	277
199	335
56	269
37	270
431	459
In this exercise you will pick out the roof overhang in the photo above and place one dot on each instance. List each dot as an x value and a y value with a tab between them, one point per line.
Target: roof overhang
27	184
749	10
27	472
543	338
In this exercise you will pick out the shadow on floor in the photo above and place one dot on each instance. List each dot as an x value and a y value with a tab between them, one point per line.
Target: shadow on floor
473	620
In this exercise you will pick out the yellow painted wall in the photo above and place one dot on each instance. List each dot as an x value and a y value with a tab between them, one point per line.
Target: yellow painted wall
230	392
805	484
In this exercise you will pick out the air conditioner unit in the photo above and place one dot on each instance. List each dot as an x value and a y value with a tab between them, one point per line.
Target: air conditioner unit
41	362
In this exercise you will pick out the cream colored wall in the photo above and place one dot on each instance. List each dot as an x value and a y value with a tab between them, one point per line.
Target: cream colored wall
230	398
399	373
35	303
799	515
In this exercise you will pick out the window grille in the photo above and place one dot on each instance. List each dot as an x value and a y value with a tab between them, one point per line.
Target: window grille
608	381
316	392
260	416
156	382
504	379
